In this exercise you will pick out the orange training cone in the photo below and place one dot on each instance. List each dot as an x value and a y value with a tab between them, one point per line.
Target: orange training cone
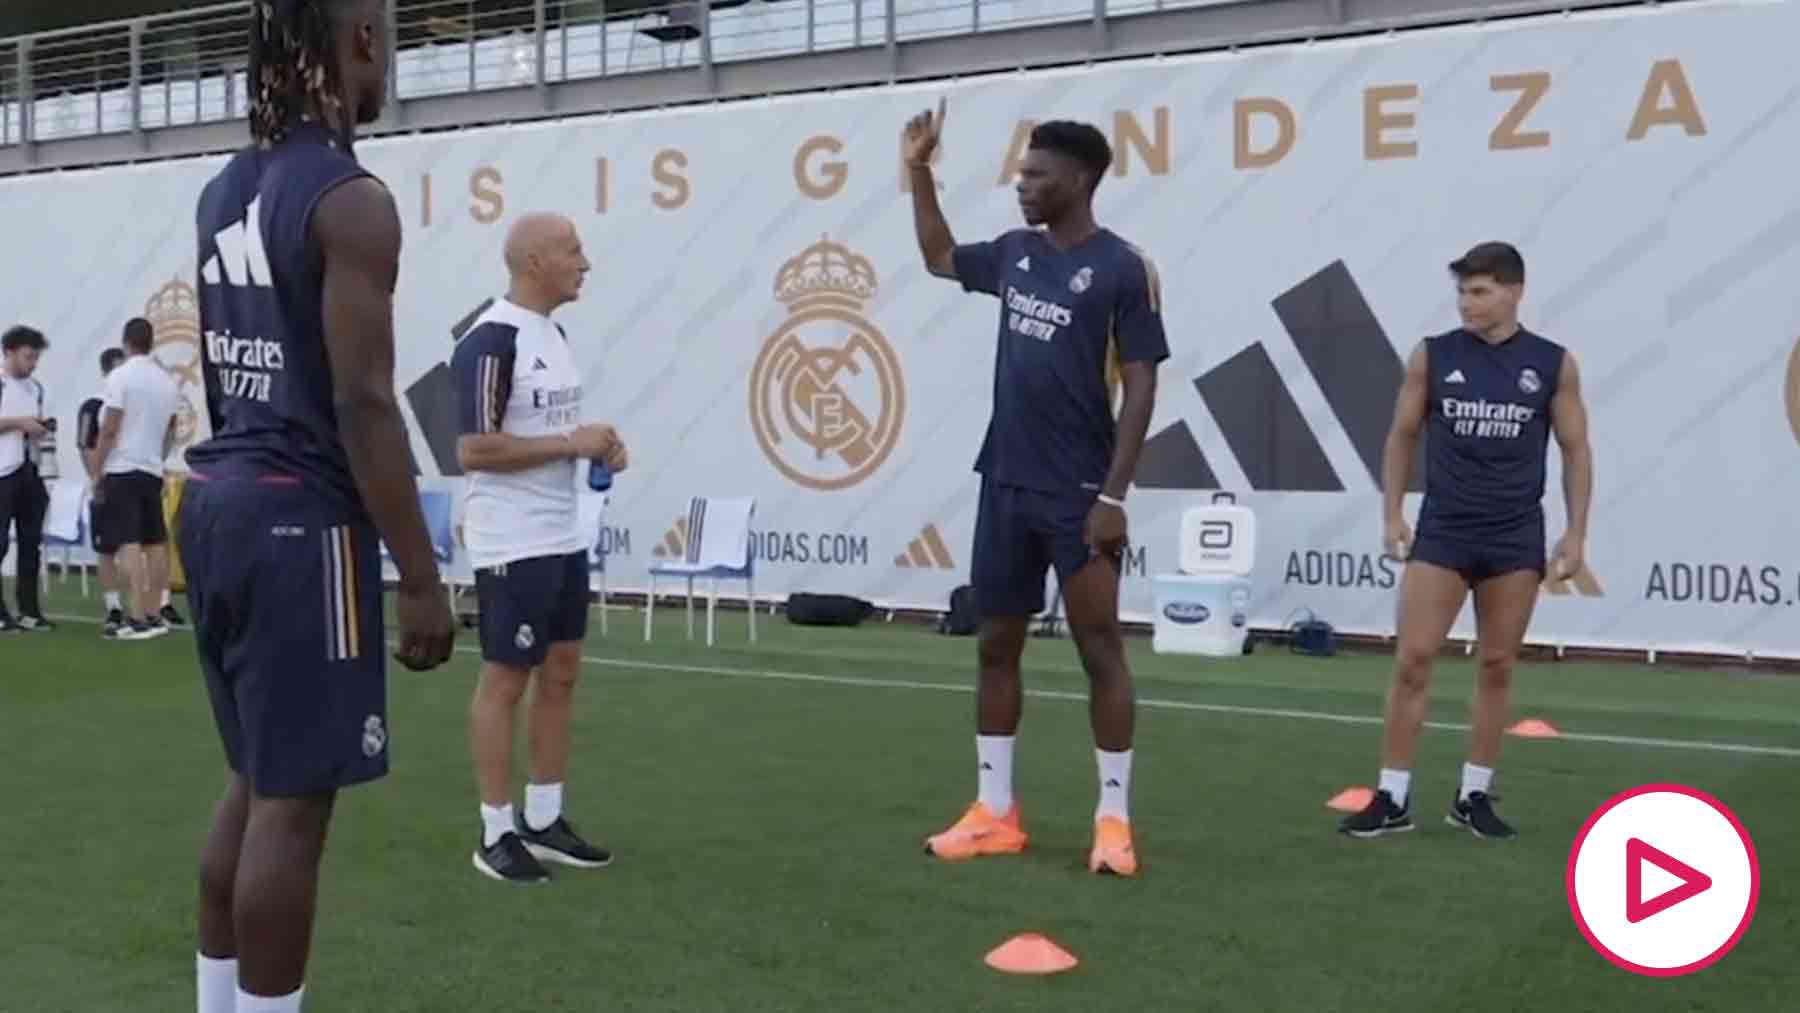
1533	728
1351	800
1030	954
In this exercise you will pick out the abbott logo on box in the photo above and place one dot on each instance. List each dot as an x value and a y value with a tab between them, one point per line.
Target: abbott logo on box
1663	880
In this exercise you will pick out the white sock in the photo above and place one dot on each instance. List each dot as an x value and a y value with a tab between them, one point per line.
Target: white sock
1115	785
1475	779
996	754
216	983
290	1003
543	805
165	600
1396	783
496	822
112	602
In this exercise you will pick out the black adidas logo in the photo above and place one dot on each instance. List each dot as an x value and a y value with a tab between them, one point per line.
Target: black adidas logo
1349	356
432	398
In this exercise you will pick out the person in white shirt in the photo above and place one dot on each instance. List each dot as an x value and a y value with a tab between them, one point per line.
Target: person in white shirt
137	431
25	420
524	448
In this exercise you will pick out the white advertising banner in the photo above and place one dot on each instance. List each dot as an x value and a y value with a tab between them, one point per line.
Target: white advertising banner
759	323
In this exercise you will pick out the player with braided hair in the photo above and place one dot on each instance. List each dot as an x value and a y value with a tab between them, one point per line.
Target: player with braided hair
305	475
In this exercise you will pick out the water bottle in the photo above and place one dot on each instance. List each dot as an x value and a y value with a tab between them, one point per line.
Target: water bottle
600	477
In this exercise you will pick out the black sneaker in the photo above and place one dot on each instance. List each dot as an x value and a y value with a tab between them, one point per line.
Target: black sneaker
115	622
1380	816
509	862
35	624
138	629
6	623
171	617
1477	814
559	843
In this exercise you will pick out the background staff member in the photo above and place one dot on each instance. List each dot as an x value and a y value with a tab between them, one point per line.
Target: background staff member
24	422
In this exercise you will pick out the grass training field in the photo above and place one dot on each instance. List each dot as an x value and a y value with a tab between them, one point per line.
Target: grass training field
767	806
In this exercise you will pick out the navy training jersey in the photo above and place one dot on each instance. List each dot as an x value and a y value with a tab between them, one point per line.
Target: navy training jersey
1487	430
1068	320
269	393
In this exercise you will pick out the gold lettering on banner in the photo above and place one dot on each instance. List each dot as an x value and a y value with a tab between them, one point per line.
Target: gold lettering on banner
1244	156
484	186
602	183
663	168
832	173
425	200
1683	108
1377	121
1128	134
1531	88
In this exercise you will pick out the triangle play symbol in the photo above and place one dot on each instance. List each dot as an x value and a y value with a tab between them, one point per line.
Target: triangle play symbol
1693	881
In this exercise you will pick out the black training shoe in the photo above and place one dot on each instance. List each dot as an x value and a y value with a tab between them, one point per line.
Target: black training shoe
1381	816
171	617
509	861
115	621
559	843
7	625
1476	813
35	624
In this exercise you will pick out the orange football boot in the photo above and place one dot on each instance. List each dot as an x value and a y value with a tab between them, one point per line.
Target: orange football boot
1112	848
979	833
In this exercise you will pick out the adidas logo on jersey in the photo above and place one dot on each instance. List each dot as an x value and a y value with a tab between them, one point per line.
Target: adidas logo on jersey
240	253
1455	377
1024	263
537	363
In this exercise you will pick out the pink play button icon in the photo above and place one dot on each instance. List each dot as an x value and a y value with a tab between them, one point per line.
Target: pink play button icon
1693	881
1618	882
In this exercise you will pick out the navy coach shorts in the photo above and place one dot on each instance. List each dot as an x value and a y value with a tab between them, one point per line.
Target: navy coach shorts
1019	534
287	613
529	604
1482	556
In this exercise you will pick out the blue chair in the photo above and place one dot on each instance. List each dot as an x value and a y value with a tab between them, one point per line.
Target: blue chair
716	536
593	519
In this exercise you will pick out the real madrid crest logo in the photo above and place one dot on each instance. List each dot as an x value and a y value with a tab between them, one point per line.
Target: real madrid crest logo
1528	381
1083	278
826	394
174	315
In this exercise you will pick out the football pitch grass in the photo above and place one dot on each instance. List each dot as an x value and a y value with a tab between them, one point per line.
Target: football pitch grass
767	805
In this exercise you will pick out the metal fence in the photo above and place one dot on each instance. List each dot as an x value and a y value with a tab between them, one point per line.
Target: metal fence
188	68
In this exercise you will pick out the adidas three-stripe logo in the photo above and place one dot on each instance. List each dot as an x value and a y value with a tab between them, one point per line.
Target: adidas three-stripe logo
240	253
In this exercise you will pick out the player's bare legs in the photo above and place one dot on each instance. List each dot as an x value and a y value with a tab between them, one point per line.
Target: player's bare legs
1503	607
1000	694
1430	598
276	890
218	973
552	707
491	716
1092	596
991	825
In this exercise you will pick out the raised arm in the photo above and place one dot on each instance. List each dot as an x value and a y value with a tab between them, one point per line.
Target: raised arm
357	229
1569	421
918	143
1397	454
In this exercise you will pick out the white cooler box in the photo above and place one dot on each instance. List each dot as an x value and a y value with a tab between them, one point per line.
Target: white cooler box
1206	613
1205	609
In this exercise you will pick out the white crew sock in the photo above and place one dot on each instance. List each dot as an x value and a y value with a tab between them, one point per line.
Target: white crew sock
1475	779
112	602
1115	785
996	755
1396	783
543	805
216	983
496	822
290	1003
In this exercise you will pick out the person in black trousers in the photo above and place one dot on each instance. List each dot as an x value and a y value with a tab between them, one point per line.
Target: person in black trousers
24	422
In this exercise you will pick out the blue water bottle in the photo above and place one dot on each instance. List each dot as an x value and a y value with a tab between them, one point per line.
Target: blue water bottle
600	477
